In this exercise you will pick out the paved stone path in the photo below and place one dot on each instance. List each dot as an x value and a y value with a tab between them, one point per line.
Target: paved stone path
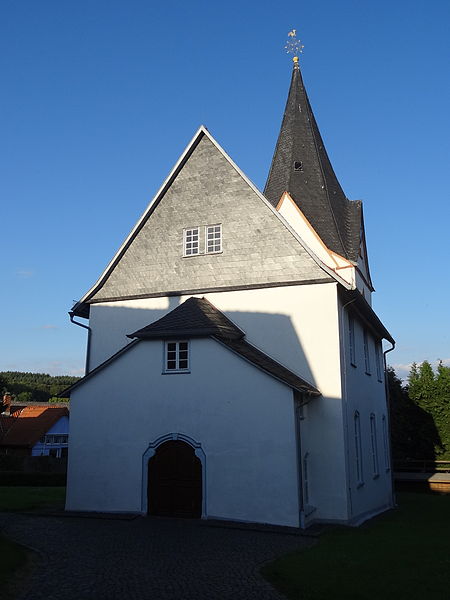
145	559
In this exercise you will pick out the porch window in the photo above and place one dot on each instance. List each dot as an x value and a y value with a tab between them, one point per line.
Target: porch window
176	357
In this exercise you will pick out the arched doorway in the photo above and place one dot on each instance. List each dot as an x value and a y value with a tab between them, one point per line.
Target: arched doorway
175	481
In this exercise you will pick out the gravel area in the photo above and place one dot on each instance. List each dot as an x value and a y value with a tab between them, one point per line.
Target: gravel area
145	558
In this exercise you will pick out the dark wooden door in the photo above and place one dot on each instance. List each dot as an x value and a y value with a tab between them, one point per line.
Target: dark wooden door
175	481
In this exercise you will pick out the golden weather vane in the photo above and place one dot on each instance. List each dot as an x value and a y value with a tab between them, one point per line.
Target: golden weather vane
293	45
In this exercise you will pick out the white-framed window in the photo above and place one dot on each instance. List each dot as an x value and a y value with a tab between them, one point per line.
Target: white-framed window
366	351
373	438
387	462
306	478
378	361
191	241
55	439
358	449
213	239
176	356
351	340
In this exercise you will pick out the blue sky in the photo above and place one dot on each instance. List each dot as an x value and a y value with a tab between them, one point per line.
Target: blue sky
99	98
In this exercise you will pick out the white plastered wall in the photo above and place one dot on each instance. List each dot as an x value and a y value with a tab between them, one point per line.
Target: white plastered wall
296	325
244	423
365	393
300	224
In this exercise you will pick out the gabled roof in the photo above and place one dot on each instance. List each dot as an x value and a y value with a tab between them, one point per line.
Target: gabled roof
301	166
197	317
139	263
269	365
29	424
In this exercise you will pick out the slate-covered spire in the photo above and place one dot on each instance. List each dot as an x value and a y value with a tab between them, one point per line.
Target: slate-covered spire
301	166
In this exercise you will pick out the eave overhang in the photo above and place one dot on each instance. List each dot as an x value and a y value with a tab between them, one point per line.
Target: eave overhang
359	305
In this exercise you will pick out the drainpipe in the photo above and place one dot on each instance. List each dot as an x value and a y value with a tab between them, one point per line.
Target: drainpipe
388	417
298	417
343	339
88	350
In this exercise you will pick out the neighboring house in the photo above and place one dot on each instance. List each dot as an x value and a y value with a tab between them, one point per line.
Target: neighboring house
253	387
34	430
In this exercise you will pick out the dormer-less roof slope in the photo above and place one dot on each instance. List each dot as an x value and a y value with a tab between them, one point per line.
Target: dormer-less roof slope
301	166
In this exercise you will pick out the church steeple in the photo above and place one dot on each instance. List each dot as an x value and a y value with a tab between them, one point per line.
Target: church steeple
301	166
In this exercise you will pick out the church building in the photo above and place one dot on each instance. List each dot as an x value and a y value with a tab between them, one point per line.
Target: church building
235	367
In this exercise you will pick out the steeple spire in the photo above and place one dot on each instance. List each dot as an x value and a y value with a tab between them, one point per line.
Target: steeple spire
301	166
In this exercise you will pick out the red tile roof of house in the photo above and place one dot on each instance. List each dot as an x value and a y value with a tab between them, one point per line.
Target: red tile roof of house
27	424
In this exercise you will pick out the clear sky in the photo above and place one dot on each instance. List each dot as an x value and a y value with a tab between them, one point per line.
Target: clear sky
100	97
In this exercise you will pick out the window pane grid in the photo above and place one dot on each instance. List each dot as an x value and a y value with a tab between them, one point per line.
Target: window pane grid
213	238
177	356
191	241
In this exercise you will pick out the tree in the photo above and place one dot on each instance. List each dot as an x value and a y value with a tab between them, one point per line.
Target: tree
24	397
2	385
42	386
413	433
443	413
430	391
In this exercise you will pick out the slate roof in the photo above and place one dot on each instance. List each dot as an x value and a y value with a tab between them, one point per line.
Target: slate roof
314	187
197	317
29	423
205	187
357	303
271	366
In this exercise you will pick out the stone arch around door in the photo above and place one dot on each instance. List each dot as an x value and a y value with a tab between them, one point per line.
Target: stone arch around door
151	451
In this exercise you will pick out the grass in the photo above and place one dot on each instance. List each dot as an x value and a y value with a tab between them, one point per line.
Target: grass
403	554
20	498
12	556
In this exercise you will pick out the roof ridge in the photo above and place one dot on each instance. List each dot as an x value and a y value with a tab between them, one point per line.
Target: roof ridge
190	318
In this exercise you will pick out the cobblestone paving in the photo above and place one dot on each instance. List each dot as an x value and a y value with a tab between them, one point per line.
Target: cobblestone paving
145	559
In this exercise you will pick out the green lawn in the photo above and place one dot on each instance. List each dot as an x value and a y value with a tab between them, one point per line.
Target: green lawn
404	554
28	498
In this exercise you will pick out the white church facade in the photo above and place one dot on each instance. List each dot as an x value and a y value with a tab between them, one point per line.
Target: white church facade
234	360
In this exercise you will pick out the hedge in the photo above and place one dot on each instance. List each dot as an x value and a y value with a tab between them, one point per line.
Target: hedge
19	478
